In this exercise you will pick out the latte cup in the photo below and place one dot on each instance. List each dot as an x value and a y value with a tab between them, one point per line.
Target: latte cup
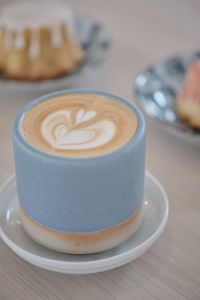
80	205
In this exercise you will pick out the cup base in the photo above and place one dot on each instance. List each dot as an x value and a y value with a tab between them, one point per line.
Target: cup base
81	243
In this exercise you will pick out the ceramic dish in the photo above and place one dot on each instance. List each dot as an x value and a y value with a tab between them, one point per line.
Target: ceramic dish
155	214
156	88
96	45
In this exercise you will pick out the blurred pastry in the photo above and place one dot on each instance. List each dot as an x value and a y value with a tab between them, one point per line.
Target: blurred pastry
37	40
188	99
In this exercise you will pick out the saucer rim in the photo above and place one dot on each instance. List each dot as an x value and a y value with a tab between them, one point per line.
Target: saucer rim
93	266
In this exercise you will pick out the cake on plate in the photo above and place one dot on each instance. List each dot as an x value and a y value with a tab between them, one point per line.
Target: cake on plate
188	98
38	40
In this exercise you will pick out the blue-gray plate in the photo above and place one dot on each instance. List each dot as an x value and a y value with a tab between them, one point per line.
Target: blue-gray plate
155	92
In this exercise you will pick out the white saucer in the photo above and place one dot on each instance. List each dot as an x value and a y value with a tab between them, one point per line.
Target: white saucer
155	214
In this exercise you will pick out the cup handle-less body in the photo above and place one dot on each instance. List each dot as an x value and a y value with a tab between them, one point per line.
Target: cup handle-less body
80	195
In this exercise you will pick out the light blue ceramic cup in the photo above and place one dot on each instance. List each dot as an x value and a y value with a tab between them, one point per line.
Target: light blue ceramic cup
80	197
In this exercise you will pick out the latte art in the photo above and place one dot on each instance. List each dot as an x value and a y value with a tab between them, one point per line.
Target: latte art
79	125
61	133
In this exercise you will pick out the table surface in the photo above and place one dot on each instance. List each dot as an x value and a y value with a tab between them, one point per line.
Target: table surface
142	32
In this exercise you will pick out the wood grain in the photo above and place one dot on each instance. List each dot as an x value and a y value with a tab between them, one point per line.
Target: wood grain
142	31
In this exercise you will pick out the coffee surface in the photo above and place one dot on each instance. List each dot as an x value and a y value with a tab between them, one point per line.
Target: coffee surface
79	125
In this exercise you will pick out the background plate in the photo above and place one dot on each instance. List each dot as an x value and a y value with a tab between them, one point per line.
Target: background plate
156	90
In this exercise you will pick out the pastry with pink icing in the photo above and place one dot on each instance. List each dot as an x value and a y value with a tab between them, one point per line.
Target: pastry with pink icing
38	40
188	99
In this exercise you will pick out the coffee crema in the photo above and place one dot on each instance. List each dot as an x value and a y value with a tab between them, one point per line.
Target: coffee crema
79	125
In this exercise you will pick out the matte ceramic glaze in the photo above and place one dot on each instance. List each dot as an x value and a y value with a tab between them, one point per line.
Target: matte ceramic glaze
84	194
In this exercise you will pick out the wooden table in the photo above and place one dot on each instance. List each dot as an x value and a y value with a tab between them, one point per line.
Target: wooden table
142	31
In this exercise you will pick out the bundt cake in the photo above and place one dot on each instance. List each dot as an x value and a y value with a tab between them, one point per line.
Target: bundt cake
38	40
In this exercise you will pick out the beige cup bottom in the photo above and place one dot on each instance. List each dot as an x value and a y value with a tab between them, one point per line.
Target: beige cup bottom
81	243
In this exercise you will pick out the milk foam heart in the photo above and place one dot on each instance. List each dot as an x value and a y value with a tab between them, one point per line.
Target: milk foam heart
79	125
68	135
